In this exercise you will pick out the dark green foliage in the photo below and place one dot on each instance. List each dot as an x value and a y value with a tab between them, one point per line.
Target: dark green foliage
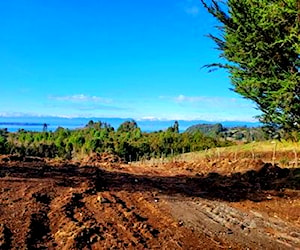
90	124
174	128
260	39
3	141
99	125
128	142
231	134
246	134
207	129
127	126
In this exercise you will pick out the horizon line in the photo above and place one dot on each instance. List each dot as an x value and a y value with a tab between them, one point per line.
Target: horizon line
128	118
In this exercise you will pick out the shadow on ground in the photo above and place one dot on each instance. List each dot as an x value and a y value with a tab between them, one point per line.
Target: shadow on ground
250	185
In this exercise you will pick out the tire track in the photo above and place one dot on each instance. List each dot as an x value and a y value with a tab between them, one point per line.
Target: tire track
246	229
39	233
5	237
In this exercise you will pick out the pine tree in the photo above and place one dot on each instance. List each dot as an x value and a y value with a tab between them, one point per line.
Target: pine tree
260	39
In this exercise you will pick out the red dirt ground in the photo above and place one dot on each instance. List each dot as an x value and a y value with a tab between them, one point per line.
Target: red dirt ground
102	203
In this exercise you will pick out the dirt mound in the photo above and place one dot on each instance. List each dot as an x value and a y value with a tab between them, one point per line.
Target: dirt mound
102	160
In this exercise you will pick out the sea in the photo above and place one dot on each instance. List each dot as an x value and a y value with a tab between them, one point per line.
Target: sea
13	124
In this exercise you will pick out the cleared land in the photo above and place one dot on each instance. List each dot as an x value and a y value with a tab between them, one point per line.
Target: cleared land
222	198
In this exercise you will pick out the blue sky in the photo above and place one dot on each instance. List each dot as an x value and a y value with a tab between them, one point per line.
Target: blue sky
98	58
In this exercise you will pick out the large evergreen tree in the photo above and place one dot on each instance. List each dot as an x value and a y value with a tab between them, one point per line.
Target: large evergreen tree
260	39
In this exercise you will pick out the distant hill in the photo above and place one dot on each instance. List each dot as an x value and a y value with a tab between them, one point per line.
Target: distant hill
206	129
237	133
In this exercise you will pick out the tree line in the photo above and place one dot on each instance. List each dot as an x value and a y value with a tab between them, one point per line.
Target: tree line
127	141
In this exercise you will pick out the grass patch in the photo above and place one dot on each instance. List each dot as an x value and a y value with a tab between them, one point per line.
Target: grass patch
255	150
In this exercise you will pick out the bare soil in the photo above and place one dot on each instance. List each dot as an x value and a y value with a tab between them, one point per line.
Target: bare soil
103	203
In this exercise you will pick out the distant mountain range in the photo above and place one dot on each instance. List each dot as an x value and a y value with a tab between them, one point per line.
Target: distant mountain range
147	125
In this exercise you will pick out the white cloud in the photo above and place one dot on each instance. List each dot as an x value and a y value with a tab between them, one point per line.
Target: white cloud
210	108
148	118
193	10
13	114
83	103
190	7
183	98
212	100
81	98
